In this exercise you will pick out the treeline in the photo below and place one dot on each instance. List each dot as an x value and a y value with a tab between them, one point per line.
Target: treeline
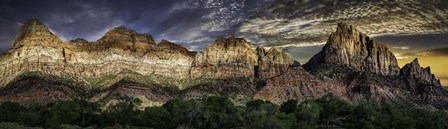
218	112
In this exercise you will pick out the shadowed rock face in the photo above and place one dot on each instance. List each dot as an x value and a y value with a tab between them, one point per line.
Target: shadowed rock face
297	84
30	90
420	75
350	66
348	47
355	68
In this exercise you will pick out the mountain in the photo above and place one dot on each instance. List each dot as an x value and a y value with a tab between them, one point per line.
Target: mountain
421	76
348	47
41	68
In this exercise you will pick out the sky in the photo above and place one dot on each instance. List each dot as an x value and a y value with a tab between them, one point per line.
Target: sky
411	28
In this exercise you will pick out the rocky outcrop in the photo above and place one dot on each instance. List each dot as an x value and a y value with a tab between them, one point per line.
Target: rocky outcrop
272	63
349	47
126	62
120	49
349	58
169	47
125	35
225	58
420	75
297	84
79	41
34	32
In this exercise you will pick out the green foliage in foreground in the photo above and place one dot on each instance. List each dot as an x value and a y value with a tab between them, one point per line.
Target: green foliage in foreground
218	112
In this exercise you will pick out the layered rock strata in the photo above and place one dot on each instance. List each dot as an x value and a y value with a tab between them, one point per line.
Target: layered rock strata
351	66
273	62
225	58
420	75
349	47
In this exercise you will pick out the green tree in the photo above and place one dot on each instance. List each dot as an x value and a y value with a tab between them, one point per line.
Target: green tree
289	106
430	120
155	117
63	112
362	117
220	112
268	116
307	114
187	113
123	112
9	111
334	110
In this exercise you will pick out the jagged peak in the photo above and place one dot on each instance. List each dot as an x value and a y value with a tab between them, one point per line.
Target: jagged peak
231	41
167	45
415	63
79	40
260	50
34	21
121	29
165	42
415	60
274	50
232	38
33	28
121	33
350	48
343	26
421	75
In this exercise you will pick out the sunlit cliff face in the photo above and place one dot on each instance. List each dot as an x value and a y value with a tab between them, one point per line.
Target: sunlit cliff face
411	28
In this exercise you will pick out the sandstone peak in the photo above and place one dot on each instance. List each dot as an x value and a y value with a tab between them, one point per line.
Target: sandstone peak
351	48
231	41
345	28
226	57
123	35
272	63
79	41
172	47
419	74
33	30
415	63
274	50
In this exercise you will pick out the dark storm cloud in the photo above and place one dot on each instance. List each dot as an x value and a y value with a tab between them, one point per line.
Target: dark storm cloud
189	22
287	22
415	43
195	23
68	19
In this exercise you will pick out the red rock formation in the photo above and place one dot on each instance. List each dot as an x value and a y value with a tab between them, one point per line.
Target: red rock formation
350	66
349	47
298	84
420	75
272	63
225	58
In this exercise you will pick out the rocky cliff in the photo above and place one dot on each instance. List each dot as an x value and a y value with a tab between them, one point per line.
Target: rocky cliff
226	57
356	68
273	62
351	66
349	47
37	49
420	75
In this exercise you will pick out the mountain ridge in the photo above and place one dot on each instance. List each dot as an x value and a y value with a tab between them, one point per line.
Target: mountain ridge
358	69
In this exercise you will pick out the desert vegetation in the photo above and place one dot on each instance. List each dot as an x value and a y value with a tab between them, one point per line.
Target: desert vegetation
218	112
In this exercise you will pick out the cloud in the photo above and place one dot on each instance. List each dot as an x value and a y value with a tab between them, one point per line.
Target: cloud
304	21
283	23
